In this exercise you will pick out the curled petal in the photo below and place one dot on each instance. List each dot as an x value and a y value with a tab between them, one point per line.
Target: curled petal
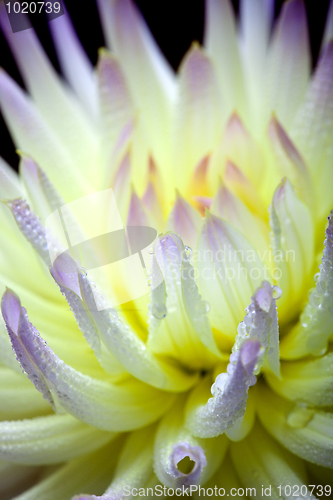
101	404
230	392
311	334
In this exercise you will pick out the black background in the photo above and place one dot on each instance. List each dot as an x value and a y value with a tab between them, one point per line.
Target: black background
174	24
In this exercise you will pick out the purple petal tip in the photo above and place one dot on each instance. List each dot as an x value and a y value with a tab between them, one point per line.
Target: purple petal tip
11	309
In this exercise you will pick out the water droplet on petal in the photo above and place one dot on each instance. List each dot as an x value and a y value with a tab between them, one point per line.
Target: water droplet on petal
203	308
188	252
151	250
299	417
84	271
316	276
159	310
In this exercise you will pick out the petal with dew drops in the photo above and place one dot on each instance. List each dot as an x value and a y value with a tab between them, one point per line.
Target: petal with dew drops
261	323
225	262
232	209
14	388
312	130
290	163
49	440
306	432
292	242
150	79
288	62
178	324
56	105
10	185
107	406
221	45
74	62
185	221
135	464
230	393
198	118
239	147
309	382
174	445
311	334
90	473
123	343
264	466
33	135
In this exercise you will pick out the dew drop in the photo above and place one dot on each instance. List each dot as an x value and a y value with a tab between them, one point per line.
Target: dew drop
188	252
151	250
277	292
299	417
203	308
159	310
84	271
316	276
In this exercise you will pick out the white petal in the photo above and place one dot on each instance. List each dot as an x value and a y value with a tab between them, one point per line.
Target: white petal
10	186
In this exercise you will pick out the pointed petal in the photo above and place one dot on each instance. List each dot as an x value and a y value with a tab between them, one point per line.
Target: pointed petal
288	62
32	134
74	62
185	221
292	242
308	382
48	440
290	163
198	116
153	204
101	404
221	45
255	26
313	129
225	264
230	392
57	107
242	187
308	433
10	186
311	334
261	323
122	342
149	77
178	325
274	467
17	326
231	208
173	443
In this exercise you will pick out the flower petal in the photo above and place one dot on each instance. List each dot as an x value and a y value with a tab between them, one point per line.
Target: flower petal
308	433
199	113
56	105
107	406
229	272
313	129
135	464
288	62
90	473
74	62
33	135
185	221
292	242
309	382
221	45
10	185
122	342
264	465
48	440
173	443
178	324
230	392
311	334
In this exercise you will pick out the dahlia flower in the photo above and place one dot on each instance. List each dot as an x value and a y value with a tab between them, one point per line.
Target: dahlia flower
202	358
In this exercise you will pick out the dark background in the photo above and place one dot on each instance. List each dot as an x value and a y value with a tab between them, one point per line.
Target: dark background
174	24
